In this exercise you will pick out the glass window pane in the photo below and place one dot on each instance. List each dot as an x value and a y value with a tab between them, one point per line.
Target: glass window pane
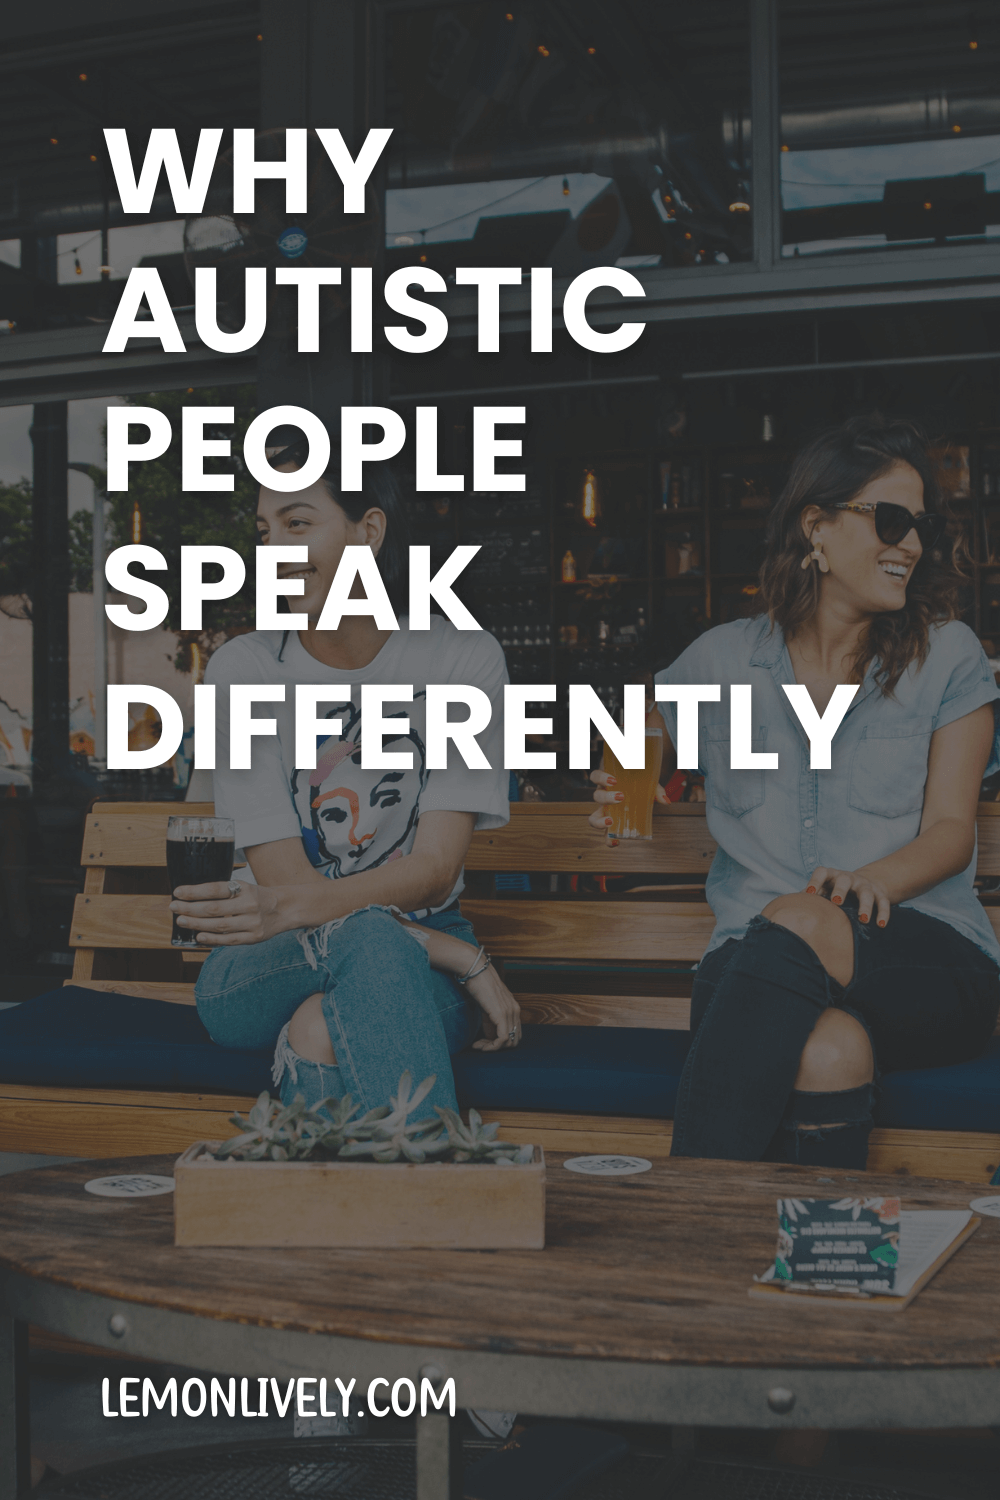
568	136
890	125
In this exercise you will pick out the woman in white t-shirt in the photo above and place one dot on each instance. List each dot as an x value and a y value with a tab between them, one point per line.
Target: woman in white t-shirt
345	948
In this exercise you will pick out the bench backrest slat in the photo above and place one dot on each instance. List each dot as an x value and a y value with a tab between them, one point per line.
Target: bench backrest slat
121	933
550	836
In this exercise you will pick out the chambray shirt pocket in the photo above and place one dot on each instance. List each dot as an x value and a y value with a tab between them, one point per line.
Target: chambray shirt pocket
732	792
889	768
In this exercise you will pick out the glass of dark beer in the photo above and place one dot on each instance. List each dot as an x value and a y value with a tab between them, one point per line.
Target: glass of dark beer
199	850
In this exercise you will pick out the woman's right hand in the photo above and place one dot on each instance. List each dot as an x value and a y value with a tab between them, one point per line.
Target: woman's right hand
606	793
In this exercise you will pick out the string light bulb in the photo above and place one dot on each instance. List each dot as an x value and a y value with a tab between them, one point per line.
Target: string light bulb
136	522
590	499
53	140
591	51
565	187
82	77
76	264
739	206
543	50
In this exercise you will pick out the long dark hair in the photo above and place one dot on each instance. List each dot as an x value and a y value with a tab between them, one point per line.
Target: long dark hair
833	468
381	490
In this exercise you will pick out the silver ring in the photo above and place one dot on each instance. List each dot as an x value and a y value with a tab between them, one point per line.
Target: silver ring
234	889
511	1036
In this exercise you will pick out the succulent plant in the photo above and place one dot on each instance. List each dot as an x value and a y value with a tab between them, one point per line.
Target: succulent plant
387	1134
288	1132
293	1132
478	1142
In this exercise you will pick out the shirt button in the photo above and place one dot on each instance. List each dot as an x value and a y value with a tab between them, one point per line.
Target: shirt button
808	823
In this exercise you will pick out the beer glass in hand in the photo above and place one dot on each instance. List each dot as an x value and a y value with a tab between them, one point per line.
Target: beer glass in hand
633	817
199	850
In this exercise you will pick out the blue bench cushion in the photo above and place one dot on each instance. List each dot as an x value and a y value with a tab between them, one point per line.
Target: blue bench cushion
82	1038
586	1070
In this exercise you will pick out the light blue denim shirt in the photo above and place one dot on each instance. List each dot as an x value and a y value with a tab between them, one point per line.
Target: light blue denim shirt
775	827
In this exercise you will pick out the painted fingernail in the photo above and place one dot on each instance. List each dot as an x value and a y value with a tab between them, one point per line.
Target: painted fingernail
608	822
862	917
619	796
611	781
881	922
810	890
837	900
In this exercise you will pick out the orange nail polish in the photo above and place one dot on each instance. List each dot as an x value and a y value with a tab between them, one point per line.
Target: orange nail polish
881	923
612	781
608	822
862	918
837	900
619	796
810	890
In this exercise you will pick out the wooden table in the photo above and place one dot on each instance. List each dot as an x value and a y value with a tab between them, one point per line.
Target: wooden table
637	1309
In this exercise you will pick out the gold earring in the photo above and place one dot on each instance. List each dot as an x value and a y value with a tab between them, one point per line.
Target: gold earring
816	556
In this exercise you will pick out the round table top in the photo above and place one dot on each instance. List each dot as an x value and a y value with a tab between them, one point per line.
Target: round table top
652	1268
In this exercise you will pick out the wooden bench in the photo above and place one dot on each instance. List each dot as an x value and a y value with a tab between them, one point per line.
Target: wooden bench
572	958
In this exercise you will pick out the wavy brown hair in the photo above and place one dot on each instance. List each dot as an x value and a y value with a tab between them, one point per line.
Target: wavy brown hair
833	468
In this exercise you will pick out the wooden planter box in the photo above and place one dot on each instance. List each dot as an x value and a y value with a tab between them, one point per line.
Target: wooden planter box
358	1204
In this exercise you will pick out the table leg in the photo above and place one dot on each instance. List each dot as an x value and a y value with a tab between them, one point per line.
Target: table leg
15	1438
437	1467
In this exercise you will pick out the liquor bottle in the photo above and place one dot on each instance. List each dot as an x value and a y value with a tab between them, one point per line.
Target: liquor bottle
568	567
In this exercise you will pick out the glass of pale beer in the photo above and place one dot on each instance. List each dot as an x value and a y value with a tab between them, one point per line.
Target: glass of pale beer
633	818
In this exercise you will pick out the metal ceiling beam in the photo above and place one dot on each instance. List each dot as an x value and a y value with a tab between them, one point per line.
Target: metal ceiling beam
121	42
67	364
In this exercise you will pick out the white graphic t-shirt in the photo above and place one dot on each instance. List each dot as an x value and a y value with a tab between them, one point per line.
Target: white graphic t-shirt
348	818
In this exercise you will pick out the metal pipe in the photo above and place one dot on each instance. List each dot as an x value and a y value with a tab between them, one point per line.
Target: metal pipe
539	388
49	596
100	637
905	117
844	364
100	618
543	159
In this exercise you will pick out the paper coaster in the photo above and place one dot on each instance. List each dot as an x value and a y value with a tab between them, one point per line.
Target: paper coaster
989	1206
608	1166
135	1185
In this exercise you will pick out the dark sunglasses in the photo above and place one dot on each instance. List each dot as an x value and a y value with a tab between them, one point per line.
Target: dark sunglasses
893	522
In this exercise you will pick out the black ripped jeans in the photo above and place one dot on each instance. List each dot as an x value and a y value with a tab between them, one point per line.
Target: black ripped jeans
926	996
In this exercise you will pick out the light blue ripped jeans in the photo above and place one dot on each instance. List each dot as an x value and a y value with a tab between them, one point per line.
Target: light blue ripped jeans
386	1009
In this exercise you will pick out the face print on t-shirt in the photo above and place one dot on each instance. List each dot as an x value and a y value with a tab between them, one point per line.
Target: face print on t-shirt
351	818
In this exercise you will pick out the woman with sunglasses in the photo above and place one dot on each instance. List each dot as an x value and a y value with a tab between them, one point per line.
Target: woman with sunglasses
849	939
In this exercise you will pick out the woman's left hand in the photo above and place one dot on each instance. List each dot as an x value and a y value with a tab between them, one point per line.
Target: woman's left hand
836	884
218	918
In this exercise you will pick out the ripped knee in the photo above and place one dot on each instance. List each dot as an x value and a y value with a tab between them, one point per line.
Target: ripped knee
822	925
308	1034
837	1056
